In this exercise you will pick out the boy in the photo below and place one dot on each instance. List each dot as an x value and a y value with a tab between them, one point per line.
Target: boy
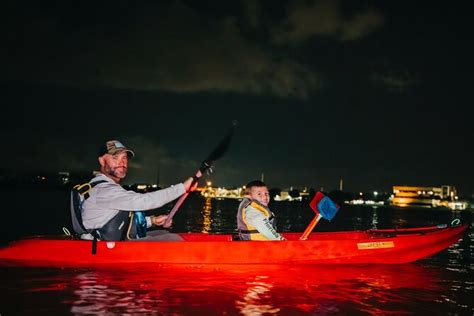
255	221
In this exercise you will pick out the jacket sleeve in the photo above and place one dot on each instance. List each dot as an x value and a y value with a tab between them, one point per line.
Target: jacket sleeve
261	223
113	196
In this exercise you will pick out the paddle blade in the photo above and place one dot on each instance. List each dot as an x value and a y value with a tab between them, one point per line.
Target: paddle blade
206	166
321	204
219	151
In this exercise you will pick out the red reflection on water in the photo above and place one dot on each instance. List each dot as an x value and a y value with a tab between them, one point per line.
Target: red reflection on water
246	290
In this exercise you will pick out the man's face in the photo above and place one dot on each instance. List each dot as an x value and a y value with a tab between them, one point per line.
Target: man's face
260	194
115	166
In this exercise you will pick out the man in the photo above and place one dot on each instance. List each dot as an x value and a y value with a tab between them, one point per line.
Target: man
112	211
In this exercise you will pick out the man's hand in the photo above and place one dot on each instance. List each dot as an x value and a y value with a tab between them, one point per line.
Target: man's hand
191	183
159	220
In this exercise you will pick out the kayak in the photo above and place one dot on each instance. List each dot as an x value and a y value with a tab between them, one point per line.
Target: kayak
385	246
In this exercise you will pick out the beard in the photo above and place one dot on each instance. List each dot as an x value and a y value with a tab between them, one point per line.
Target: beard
117	172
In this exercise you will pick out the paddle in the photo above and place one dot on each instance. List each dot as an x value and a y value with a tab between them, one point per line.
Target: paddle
324	207
206	166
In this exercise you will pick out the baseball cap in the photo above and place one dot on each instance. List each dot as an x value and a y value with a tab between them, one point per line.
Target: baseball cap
113	147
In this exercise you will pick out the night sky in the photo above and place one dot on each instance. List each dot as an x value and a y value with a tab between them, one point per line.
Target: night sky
372	92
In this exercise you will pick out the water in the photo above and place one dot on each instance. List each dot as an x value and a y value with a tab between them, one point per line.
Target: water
440	285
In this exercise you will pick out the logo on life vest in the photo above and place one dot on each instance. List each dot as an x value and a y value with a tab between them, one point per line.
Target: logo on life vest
375	245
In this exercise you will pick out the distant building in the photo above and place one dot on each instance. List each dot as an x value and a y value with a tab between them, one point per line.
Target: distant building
286	196
222	193
238	193
444	196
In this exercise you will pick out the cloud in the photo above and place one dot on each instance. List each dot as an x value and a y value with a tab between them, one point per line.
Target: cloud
252	10
361	25
223	60
53	154
153	163
395	81
35	152
160	46
325	18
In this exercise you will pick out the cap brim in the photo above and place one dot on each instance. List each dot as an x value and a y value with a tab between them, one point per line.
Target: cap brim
129	152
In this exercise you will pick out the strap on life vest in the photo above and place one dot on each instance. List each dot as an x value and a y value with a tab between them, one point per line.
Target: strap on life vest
83	190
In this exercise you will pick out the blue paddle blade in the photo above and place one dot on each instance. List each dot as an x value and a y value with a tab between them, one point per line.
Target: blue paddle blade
327	208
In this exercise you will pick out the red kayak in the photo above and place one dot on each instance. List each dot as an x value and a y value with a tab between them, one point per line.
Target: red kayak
388	246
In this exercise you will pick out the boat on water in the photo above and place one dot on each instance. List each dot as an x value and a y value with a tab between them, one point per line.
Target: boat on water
384	246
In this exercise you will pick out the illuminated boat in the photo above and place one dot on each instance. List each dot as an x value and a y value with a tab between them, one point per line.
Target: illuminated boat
387	246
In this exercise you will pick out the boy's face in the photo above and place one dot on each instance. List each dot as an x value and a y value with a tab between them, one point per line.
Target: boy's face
260	194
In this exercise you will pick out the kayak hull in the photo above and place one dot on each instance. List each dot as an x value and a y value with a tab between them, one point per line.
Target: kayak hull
349	247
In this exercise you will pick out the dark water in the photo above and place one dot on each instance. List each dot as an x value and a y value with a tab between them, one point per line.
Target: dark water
440	285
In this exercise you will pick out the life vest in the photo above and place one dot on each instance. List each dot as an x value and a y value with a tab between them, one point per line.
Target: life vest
80	193
124	225
247	231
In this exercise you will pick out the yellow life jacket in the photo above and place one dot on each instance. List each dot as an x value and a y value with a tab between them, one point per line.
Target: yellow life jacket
247	231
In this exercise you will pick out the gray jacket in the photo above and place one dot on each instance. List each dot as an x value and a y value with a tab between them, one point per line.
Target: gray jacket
108	198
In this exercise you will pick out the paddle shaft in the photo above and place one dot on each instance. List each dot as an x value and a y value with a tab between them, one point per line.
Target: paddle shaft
310	227
175	208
